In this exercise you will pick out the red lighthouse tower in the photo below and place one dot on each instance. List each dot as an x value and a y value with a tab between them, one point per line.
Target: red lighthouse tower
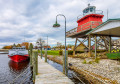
91	19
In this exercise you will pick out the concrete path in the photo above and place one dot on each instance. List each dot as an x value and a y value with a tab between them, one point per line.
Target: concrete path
50	75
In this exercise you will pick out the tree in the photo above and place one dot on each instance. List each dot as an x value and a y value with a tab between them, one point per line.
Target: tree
31	45
7	47
26	44
40	42
18	45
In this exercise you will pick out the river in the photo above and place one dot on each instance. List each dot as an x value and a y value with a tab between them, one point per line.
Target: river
9	70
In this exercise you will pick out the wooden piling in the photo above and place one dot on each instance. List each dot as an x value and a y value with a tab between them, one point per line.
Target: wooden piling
63	62
89	41
46	55
110	44
95	47
65	67
41	53
30	48
66	63
35	64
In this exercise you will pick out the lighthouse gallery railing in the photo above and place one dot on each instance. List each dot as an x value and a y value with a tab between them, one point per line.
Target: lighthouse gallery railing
84	27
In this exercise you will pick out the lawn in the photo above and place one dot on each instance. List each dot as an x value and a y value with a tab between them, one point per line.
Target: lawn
51	52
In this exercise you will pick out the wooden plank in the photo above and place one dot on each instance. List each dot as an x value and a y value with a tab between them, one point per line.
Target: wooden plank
50	75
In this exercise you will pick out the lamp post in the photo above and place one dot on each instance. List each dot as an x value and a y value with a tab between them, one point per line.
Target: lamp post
58	25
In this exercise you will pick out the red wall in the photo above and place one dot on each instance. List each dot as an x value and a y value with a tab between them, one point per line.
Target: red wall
84	23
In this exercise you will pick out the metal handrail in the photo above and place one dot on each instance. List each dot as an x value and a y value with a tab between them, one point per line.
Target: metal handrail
96	12
92	23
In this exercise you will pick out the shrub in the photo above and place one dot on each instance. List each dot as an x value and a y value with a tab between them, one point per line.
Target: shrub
84	62
60	52
90	62
79	52
97	60
70	52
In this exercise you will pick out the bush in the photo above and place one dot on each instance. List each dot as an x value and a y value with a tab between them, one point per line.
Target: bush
97	60
84	62
79	52
90	62
60	52
99	51
70	52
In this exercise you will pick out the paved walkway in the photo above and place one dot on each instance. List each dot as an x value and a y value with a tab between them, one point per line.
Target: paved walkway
50	75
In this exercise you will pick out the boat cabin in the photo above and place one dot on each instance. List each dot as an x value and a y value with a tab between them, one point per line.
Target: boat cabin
18	48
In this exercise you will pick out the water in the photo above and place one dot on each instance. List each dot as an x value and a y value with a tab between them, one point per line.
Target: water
71	74
9	70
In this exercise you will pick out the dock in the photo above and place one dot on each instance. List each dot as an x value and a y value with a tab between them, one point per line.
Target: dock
49	75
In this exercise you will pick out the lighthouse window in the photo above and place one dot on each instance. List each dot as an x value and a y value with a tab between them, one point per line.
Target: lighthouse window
91	9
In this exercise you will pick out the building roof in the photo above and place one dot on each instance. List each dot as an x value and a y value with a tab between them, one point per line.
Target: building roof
111	27
46	47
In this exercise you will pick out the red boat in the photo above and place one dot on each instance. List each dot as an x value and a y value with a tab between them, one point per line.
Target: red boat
18	54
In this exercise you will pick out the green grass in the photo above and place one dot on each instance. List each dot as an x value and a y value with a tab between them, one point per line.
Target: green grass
51	52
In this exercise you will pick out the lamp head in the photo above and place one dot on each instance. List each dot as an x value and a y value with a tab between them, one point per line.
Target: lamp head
56	25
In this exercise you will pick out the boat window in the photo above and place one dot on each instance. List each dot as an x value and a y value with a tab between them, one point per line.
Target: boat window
84	11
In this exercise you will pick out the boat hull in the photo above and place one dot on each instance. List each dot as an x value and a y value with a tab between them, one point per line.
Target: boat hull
18	58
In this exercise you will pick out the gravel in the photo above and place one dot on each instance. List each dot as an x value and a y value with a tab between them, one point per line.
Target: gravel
106	68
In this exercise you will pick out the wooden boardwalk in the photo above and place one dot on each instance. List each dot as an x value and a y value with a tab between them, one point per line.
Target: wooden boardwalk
49	75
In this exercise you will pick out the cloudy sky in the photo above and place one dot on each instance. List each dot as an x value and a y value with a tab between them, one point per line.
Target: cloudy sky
32	19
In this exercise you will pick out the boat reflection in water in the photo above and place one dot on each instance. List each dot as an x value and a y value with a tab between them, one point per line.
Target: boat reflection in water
18	67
